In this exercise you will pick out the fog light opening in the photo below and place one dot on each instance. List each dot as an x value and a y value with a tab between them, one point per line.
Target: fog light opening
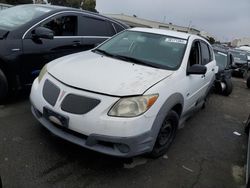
123	148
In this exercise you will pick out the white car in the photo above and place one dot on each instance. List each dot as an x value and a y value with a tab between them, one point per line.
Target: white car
129	95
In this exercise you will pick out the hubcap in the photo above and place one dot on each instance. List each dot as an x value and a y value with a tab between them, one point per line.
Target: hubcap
165	133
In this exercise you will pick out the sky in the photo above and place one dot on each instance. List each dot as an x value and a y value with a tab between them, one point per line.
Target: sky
224	19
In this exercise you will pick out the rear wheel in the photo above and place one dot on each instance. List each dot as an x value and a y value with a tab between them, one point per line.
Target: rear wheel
166	135
3	86
229	87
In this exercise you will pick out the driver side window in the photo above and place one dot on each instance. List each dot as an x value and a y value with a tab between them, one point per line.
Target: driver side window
62	26
194	56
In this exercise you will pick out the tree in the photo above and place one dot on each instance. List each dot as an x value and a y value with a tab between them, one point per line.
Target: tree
211	40
67	3
17	2
89	5
84	4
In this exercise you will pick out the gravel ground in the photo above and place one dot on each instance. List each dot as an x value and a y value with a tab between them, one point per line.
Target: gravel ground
206	153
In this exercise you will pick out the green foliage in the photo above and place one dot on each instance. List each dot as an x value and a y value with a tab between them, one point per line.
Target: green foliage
17	2
67	3
84	4
211	40
89	5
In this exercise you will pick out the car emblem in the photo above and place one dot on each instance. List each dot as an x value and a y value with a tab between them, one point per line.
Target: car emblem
55	120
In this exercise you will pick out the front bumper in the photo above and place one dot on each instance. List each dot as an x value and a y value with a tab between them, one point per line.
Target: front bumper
116	146
95	130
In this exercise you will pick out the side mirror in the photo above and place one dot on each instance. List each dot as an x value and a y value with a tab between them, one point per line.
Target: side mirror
42	33
197	69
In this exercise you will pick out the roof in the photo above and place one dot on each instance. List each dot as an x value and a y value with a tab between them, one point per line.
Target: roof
62	8
162	32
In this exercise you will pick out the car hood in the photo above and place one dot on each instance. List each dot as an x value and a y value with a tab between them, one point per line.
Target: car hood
101	74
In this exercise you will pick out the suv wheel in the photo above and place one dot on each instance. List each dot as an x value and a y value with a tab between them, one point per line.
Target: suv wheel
3	86
166	135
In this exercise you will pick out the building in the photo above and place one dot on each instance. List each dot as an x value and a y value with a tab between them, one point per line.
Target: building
241	42
134	21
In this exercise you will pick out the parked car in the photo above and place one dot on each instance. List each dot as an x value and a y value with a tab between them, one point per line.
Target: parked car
129	95
240	64
247	50
4	6
223	83
33	35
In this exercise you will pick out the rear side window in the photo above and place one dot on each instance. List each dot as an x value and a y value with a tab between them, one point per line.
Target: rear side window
118	27
205	54
95	27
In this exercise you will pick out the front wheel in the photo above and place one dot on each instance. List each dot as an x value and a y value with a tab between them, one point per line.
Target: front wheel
3	86
166	135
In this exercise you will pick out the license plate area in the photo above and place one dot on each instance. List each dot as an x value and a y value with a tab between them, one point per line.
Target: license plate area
55	118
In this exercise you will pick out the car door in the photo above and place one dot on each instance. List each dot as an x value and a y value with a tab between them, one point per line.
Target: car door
37	52
209	61
194	84
95	30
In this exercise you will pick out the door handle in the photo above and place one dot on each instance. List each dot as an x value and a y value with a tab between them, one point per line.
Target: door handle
76	43
212	69
203	76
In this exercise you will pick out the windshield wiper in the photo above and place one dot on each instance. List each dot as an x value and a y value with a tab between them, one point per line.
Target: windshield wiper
135	60
126	58
103	52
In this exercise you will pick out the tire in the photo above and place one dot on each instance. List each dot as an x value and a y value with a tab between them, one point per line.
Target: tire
166	135
229	87
3	86
244	74
248	82
247	126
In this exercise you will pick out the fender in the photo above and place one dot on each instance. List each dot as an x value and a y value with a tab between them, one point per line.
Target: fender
170	103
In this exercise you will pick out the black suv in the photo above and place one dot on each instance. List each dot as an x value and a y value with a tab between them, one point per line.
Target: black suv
224	60
33	35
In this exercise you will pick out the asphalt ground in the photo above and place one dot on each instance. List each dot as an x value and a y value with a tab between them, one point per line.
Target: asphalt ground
206	152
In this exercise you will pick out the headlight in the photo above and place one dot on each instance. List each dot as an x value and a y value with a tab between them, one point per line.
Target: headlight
42	73
132	106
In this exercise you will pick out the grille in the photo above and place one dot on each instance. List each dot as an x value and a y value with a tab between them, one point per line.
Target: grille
50	92
77	104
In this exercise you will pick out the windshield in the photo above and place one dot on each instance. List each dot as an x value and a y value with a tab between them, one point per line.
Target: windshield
155	50
239	57
17	16
221	59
